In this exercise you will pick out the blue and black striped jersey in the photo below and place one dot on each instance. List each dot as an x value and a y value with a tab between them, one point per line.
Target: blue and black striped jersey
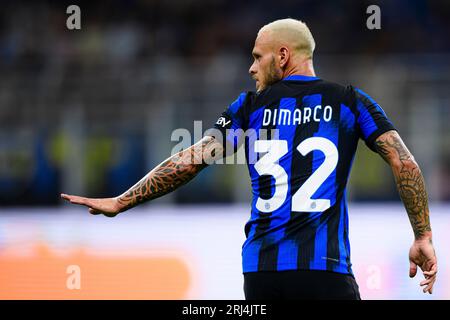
299	165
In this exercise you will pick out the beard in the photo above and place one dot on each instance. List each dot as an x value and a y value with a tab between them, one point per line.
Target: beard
273	75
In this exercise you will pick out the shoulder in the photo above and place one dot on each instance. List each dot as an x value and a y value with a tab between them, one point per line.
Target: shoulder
242	102
316	86
350	95
346	92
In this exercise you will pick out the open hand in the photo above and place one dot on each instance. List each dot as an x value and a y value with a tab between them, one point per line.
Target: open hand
109	207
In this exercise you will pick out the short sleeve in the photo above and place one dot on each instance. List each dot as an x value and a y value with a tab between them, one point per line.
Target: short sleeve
372	120
231	121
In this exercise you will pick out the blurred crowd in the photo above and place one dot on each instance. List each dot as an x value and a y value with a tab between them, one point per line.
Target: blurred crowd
123	30
91	111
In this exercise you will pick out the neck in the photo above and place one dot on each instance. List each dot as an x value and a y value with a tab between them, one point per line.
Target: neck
302	68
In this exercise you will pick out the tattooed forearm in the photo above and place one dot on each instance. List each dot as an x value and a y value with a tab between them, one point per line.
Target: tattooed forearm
411	187
171	174
409	179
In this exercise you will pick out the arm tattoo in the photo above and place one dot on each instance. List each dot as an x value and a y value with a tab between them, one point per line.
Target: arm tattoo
409	179
390	144
172	173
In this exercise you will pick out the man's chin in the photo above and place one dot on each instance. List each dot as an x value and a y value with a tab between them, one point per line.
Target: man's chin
259	87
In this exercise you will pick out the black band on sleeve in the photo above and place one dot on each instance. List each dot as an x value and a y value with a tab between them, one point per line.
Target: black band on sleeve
370	141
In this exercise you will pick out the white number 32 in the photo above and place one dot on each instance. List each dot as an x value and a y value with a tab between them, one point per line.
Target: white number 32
301	200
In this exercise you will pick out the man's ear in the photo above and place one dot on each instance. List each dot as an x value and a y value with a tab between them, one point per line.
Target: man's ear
284	57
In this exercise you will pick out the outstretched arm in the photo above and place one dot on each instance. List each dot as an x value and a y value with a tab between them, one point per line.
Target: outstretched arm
164	178
412	191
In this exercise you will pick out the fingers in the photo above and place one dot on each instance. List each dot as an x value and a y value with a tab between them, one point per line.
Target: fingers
412	269
81	200
426	282
430	279
76	199
429	285
66	197
431	272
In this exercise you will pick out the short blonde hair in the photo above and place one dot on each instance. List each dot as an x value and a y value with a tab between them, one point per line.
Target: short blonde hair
294	32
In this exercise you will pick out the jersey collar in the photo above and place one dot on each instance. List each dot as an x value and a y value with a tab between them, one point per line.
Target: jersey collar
300	78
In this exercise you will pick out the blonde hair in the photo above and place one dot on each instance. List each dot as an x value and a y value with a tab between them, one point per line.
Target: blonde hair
294	32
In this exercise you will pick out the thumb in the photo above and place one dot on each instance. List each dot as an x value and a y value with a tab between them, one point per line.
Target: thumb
412	269
94	211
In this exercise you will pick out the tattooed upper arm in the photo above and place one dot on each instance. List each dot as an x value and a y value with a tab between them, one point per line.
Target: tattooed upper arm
201	154
391	148
212	150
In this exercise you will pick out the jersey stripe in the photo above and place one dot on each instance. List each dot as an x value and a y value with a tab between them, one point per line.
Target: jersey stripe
287	251
327	189
251	249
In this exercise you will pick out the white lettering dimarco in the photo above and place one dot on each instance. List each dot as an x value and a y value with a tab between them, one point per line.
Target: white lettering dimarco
287	117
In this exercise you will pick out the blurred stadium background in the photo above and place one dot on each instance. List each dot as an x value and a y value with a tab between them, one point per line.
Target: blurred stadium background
91	111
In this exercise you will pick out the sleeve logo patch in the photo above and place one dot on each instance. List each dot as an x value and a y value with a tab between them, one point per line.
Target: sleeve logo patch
223	122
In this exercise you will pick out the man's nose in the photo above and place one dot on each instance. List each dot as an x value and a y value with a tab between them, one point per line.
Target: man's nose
252	69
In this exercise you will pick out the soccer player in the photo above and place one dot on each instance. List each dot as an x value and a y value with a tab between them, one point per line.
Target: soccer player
297	236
